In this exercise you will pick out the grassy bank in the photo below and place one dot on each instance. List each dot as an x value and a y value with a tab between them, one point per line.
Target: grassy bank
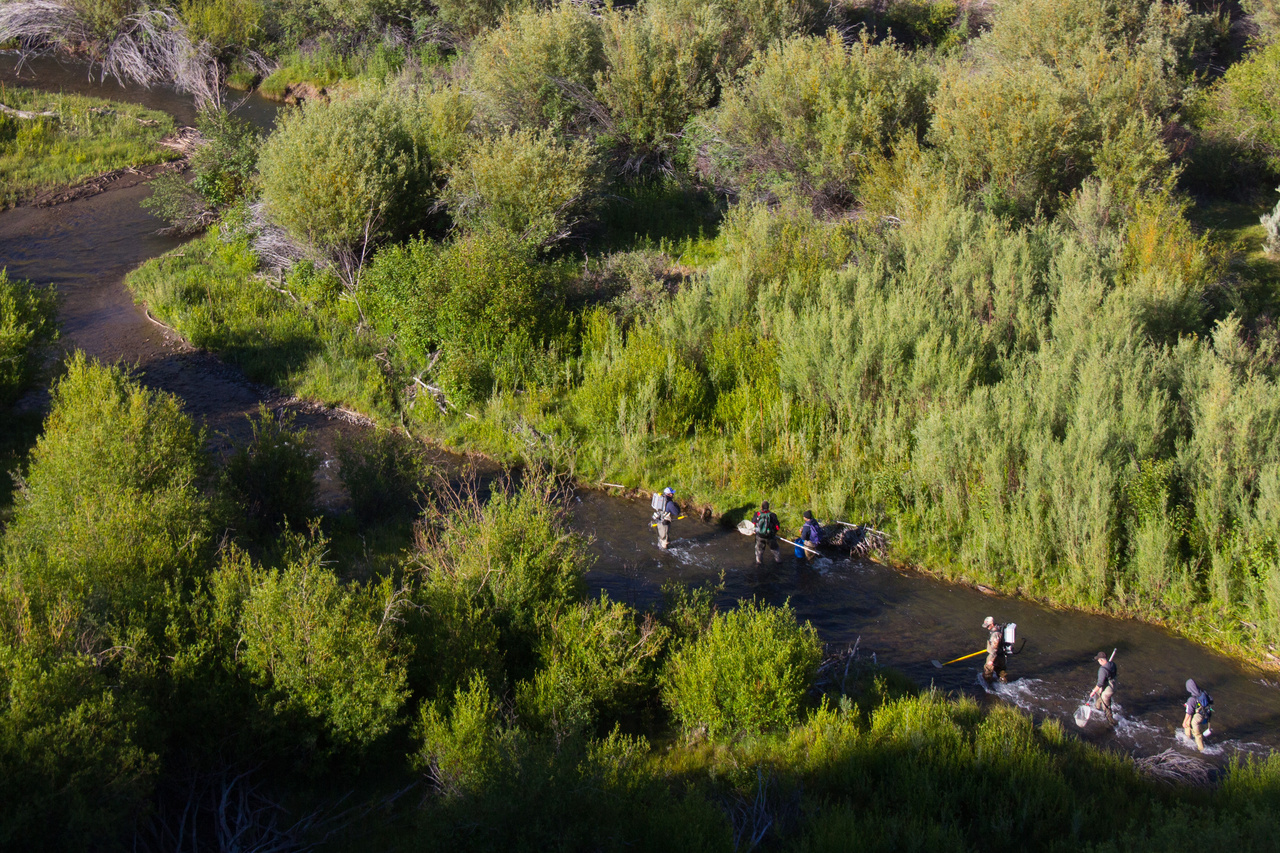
303	333
81	137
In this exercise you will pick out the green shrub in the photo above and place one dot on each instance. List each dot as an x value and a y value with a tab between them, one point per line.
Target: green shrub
1247	104
638	382
805	114
469	18
462	751
340	174
484	301
383	472
532	69
223	167
227	25
111	511
75	768
916	23
1030	119
326	653
661	70
599	665
1265	15
28	323
742	28
527	183
512	558
747	673
270	481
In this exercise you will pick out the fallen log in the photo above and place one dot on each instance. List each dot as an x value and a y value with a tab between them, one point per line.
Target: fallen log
27	114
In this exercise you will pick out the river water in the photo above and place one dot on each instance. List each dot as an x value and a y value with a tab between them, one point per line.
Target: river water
906	620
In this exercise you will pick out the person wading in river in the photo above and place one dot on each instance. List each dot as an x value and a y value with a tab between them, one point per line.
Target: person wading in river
810	537
994	667
1103	690
766	524
1199	709
665	510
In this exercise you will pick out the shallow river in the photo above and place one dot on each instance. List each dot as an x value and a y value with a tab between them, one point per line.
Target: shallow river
85	247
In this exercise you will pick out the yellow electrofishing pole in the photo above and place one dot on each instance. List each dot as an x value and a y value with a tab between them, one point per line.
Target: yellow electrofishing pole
957	660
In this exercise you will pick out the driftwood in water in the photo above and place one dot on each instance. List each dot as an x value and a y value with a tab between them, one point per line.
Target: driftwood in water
27	114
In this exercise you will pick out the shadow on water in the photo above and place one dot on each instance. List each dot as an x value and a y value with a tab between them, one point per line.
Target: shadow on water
86	246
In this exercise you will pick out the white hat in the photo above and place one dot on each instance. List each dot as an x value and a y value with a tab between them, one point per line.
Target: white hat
988	621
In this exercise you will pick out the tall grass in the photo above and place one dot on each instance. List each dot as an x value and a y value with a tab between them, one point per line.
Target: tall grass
84	137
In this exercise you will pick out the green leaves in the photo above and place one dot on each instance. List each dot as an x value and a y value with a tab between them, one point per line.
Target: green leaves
746	673
336	175
806	114
325	651
111	513
28	316
529	184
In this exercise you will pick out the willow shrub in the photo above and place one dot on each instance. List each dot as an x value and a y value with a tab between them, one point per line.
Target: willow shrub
482	302
746	27
533	70
325	653
339	174
28	323
637	382
1247	104
747	672
1024	119
806	113
384	472
270	481
76	766
662	63
111	512
599	665
530	184
510	563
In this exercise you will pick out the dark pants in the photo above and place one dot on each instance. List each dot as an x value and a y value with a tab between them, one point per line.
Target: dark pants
770	542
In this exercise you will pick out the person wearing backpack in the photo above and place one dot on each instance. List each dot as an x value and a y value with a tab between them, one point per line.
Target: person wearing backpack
665	510
1106	686
995	665
810	536
766	524
1199	710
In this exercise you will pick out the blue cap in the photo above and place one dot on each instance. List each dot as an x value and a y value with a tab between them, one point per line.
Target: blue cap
668	491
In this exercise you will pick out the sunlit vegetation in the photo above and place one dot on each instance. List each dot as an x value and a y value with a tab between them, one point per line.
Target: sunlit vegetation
1000	282
962	295
64	139
157	664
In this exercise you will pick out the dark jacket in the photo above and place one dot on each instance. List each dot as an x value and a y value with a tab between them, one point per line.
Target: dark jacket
771	525
811	532
1199	700
1106	674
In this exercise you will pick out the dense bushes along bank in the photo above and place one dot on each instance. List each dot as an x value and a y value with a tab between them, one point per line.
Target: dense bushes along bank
175	662
957	293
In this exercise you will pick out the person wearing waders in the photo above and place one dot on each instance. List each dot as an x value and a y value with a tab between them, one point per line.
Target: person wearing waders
1106	686
810	537
665	511
766	524
994	667
1199	708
